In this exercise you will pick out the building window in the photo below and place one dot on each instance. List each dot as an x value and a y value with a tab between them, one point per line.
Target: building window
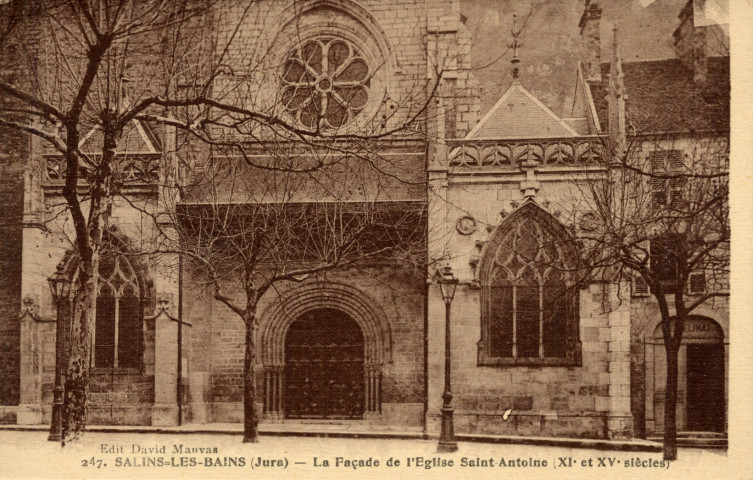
529	303
666	251
325	83
667	180
117	331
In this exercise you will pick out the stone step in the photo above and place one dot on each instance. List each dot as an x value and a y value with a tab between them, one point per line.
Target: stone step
701	435
696	441
690	434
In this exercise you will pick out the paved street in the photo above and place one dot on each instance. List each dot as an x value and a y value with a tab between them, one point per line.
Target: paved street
140	455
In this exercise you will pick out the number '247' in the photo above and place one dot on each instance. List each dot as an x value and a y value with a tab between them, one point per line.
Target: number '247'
92	462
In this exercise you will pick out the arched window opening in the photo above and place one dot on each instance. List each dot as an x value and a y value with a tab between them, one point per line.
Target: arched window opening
117	330
529	301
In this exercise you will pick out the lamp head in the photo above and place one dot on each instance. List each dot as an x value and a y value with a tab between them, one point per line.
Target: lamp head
60	284
447	281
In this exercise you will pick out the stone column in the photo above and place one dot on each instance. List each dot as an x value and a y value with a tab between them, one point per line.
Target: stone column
649	375
37	301
165	408
619	416
372	392
30	405
274	392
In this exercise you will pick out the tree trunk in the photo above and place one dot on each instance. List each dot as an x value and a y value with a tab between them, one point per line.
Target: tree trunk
76	387
76	390
250	421
670	402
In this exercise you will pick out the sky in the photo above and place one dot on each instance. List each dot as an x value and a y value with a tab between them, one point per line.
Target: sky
551	39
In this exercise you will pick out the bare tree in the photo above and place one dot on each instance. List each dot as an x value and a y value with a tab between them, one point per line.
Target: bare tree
247	231
657	216
76	58
88	69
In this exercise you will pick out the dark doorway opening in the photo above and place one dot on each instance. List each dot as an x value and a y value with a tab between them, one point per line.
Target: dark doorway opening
705	387
324	372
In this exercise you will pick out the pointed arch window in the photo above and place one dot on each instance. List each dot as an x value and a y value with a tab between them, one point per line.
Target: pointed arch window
529	301
119	315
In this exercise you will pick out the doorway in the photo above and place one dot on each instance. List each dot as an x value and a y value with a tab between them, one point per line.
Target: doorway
705	387
324	366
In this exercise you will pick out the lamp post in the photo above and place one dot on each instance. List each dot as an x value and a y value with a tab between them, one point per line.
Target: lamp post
447	285
60	286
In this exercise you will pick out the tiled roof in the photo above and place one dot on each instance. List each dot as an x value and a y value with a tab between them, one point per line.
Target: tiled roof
662	97
518	114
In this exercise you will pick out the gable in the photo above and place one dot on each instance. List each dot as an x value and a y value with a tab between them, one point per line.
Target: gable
518	114
137	138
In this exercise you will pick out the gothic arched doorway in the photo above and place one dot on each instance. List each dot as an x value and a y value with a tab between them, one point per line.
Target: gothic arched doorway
324	366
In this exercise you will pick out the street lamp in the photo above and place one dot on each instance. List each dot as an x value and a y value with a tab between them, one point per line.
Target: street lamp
447	285
60	286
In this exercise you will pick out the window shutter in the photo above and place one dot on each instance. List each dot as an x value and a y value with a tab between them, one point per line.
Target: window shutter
666	191
675	167
658	191
664	251
696	283
674	163
640	287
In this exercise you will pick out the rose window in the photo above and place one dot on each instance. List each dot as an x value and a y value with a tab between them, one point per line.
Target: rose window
325	83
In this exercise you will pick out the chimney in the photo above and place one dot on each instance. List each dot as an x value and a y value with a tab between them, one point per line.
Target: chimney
591	41
690	41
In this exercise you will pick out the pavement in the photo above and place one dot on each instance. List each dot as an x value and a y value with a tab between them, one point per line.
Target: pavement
191	453
356	430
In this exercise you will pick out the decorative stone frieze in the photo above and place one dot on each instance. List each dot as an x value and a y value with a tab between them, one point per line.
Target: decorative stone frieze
546	152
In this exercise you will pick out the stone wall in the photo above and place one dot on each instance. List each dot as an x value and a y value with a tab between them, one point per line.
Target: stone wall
546	400
646	352
590	399
11	234
217	343
408	45
120	395
13	155
117	396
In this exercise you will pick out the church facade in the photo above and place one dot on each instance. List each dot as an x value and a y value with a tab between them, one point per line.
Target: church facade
535	351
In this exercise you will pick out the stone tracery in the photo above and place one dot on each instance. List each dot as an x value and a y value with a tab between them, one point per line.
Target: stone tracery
528	302
325	83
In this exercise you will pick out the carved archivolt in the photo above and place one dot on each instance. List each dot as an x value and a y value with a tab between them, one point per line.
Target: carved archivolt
288	307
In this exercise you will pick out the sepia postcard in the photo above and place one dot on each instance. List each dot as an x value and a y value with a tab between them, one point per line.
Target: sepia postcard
375	239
